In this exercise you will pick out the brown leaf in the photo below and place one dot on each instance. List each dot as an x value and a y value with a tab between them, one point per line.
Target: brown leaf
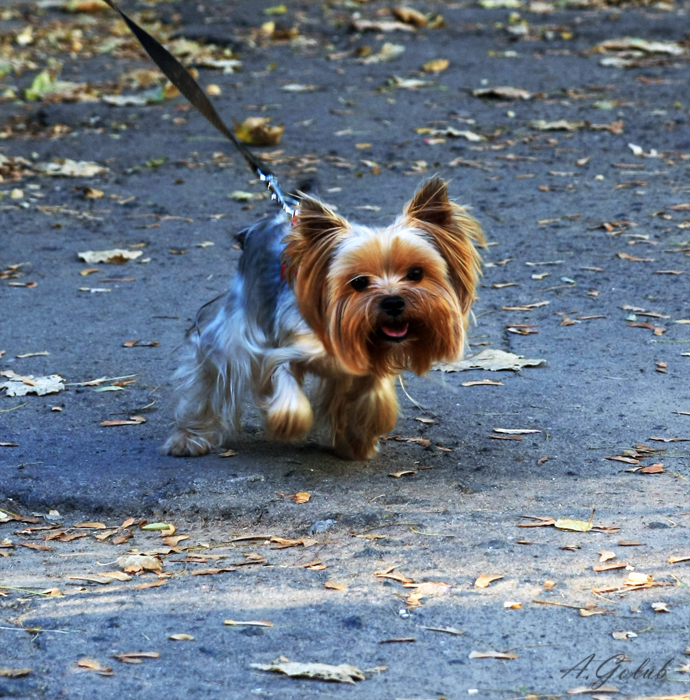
482	382
632	258
620	458
256	131
485	580
181	637
403	472
135	657
133	420
334	586
677	559
211	572
248	623
610	567
14	672
93	665
408	15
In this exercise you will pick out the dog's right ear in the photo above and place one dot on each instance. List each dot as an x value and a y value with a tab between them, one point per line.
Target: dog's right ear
309	247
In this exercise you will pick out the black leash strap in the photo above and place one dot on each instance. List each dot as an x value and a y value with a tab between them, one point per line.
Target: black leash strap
180	77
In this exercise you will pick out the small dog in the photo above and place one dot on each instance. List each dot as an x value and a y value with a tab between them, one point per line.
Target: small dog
353	306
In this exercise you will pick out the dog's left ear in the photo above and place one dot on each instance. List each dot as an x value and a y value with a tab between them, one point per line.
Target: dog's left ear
454	232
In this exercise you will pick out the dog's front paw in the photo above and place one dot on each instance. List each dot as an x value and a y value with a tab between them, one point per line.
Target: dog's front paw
183	443
291	419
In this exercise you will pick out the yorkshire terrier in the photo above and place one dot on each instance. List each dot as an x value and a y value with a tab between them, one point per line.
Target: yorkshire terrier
352	305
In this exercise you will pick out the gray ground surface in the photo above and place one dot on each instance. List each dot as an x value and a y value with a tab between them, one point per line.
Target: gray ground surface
550	202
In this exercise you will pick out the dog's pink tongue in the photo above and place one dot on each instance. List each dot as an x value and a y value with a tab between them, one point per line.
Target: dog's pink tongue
395	332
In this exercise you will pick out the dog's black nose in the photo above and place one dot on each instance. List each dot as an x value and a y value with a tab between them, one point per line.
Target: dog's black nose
393	306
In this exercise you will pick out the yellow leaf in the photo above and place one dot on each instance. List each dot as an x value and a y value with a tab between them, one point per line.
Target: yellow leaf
255	131
302	497
182	637
436	66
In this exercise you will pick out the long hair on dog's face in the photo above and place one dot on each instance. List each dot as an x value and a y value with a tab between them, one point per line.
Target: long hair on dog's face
385	300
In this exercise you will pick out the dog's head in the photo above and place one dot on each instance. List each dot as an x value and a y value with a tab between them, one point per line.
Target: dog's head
384	300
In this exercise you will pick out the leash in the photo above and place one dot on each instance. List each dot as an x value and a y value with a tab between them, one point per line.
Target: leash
181	78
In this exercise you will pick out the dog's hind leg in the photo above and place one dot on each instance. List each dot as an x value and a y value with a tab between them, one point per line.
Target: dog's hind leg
198	423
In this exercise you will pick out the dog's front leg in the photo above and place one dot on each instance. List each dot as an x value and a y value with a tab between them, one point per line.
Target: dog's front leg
360	414
285	407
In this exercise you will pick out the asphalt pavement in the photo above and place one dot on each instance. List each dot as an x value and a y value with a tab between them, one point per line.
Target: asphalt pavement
494	520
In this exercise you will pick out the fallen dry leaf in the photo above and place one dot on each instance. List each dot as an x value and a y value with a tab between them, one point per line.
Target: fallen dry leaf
133	420
134	563
64	167
151	584
574	525
213	572
660	607
610	567
397	640
491	655
403	472
181	637
256	131
93	665
436	66
490	360
117	256
408	15
388	52
14	672
335	586
345	673
248	623
103	580
446	630
482	382
517	431
117	575
135	657
485	580
19	385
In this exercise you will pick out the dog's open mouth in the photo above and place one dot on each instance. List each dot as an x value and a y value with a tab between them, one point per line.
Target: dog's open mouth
394	331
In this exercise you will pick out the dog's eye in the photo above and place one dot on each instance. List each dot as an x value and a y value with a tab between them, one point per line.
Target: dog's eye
415	274
360	283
